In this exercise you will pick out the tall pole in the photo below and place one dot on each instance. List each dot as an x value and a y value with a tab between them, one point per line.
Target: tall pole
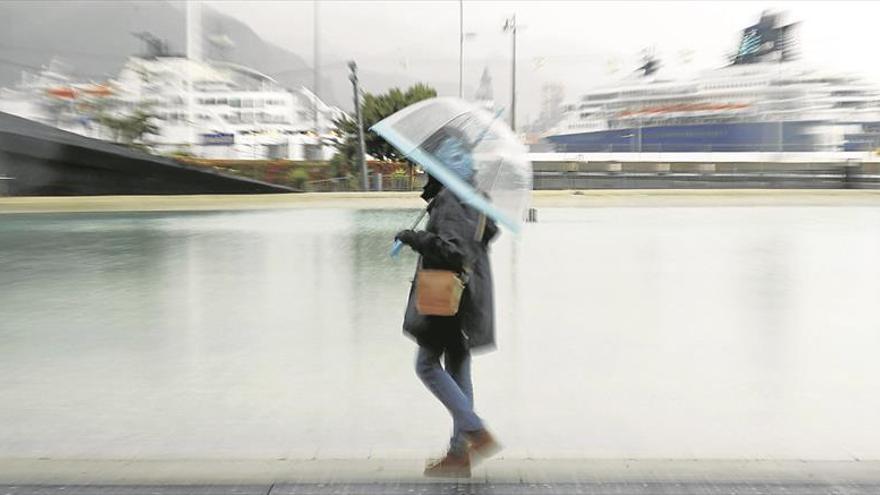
460	46
513	82
639	133
317	77
510	25
194	55
360	126
781	144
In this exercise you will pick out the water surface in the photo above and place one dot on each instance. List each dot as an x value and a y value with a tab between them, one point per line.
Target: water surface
623	332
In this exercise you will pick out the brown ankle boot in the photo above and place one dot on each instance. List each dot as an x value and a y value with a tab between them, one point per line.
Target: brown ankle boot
483	443
451	466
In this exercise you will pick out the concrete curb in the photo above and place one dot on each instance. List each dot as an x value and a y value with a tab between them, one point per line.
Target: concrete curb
411	200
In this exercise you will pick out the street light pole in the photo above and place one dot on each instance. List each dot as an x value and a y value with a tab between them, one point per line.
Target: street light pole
781	138
640	134
460	46
360	125
510	26
316	72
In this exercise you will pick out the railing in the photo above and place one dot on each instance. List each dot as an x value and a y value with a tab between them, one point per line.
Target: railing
707	148
771	177
336	184
3	181
395	183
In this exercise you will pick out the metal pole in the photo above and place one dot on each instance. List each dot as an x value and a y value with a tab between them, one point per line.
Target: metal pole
510	25
781	136
360	126
194	55
781	145
640	134
316	84
460	46
513	93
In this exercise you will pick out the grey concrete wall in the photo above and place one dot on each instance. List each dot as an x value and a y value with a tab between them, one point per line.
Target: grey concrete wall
42	161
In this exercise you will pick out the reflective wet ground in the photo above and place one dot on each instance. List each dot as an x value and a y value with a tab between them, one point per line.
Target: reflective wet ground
624	332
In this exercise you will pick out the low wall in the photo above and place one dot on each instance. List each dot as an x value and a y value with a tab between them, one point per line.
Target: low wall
684	175
39	160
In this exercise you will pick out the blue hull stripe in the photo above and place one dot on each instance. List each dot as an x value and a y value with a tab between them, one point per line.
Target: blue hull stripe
728	137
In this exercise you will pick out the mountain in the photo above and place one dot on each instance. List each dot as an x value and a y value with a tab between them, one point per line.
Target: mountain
95	39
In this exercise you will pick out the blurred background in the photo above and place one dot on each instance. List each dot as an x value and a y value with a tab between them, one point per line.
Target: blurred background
264	90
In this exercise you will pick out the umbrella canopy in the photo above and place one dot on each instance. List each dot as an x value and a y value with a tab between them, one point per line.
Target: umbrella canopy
466	148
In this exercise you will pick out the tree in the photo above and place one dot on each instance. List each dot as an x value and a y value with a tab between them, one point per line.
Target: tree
129	128
373	109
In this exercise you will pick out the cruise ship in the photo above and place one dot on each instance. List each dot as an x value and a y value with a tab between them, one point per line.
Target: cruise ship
765	100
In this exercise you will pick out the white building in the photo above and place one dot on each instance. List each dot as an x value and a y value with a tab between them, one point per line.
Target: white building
208	109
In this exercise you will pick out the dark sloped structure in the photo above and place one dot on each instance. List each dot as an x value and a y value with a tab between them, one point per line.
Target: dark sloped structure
39	160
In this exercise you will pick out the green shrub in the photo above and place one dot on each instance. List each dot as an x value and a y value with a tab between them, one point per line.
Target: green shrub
182	153
298	178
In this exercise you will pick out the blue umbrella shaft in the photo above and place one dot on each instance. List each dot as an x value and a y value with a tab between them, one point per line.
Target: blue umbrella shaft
395	248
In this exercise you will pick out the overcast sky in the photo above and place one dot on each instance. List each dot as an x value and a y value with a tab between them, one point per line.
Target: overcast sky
579	44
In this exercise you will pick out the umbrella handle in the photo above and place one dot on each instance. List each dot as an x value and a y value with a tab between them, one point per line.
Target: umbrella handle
395	248
397	245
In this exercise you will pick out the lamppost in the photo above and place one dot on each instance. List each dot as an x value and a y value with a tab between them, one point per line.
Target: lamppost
635	142
360	125
460	46
462	36
632	141
510	26
316	74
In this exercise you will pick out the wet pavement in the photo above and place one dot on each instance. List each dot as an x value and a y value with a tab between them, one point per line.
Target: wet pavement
133	343
585	488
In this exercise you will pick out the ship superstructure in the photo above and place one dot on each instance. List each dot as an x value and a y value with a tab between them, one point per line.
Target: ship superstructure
764	100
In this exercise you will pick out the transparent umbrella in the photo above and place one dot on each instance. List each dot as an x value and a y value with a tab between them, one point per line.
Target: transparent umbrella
502	180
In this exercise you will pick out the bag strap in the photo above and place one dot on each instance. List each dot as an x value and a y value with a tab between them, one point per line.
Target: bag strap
467	268
480	231
481	228
416	224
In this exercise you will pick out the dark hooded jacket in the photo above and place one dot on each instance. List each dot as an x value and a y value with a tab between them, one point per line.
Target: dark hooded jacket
449	243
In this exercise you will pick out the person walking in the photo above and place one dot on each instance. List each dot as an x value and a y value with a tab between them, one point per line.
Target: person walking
456	238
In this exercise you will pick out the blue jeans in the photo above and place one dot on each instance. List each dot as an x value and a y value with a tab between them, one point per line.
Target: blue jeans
452	386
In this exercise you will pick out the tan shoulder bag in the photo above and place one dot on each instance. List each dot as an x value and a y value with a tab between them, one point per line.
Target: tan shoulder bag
438	292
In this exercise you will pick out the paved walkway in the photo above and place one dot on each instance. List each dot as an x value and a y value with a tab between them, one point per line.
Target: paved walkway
581	488
402	477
